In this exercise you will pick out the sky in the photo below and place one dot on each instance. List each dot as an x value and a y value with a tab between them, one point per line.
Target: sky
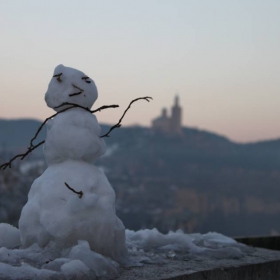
222	57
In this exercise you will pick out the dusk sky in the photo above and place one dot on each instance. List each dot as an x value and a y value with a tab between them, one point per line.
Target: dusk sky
222	57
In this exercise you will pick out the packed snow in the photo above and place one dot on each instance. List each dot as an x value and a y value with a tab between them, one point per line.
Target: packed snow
9	236
68	228
81	262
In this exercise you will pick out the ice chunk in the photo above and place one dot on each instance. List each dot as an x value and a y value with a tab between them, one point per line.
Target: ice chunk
96	262
56	264
212	237
9	236
75	270
218	238
149	239
25	271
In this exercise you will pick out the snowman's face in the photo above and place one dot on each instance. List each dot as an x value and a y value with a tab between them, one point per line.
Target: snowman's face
70	85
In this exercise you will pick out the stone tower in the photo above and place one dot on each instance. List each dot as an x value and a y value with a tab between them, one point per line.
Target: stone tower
172	124
176	117
162	123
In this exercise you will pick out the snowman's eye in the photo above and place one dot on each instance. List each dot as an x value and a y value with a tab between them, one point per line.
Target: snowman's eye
57	76
86	79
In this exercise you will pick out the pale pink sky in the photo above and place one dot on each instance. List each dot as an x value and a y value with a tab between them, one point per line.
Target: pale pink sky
222	57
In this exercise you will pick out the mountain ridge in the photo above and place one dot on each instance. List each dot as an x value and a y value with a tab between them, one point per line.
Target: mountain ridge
11	129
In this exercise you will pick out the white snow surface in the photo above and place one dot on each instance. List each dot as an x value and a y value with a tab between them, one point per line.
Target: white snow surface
9	236
144	246
73	134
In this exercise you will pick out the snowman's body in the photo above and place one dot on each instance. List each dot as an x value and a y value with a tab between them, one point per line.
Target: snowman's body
55	213
73	134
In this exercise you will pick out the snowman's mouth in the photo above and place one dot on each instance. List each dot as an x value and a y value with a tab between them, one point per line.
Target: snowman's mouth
76	93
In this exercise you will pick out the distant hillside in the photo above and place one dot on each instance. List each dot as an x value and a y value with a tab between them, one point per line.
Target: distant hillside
16	134
199	181
195	147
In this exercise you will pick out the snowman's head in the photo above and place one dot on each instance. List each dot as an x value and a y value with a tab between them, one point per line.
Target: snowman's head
70	85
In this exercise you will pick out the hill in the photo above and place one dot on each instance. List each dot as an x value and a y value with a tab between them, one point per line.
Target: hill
199	181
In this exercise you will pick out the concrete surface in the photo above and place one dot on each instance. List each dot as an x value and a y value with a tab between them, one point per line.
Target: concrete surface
256	264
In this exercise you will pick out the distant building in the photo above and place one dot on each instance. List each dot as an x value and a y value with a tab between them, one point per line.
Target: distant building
172	124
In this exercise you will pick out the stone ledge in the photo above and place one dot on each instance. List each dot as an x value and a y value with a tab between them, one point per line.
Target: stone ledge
268	242
261	271
260	264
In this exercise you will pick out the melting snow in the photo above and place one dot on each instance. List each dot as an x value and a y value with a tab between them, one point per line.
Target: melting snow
80	262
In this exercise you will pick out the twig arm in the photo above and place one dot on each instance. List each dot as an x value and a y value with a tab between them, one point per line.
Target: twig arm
22	156
80	193
104	107
147	98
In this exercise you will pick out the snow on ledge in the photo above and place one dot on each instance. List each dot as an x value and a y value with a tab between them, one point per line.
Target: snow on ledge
79	262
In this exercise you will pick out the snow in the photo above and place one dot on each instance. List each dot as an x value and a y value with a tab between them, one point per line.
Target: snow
74	134
144	247
153	246
76	269
95	262
25	271
9	236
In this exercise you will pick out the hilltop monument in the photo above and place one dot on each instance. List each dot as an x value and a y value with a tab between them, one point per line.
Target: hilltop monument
172	124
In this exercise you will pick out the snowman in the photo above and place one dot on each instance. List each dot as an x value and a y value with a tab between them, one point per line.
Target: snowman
73	200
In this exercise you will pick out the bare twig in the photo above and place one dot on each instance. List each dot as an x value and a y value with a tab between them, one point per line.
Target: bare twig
73	106
104	107
147	98
22	156
80	193
85	108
